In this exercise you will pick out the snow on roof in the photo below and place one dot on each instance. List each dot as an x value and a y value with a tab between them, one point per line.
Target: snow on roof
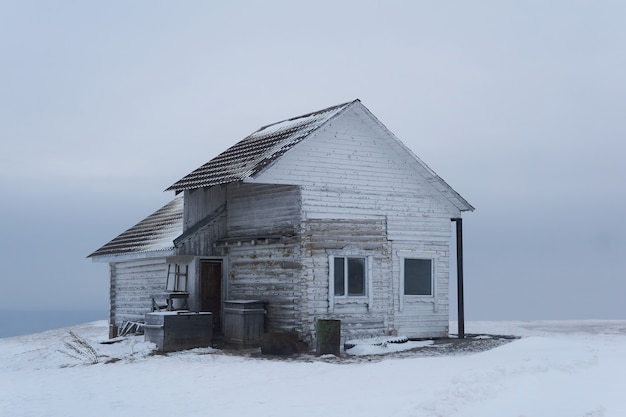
249	156
154	233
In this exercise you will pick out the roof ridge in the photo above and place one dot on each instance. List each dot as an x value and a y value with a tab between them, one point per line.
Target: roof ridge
326	110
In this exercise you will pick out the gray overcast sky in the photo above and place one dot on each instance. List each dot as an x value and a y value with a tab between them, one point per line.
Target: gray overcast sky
518	105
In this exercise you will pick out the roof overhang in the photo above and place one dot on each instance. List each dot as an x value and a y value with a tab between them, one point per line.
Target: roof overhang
133	256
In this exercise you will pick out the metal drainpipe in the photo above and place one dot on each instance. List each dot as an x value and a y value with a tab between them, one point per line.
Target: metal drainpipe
459	275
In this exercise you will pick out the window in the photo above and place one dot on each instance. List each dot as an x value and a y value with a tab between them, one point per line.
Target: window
418	276
349	276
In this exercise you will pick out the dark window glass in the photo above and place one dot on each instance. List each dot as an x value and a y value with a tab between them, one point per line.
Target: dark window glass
339	277
356	276
418	277
350	274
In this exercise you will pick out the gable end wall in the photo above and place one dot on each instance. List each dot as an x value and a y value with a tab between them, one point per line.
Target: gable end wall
352	170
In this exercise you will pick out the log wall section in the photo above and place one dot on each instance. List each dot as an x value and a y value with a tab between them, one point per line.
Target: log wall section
263	253
367	316
256	237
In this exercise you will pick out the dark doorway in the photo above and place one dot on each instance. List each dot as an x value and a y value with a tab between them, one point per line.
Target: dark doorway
211	290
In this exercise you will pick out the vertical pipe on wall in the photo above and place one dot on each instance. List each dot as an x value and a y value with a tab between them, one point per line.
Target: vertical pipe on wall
459	275
112	303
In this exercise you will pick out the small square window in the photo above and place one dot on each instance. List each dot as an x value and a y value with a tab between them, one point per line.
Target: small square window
418	279
349	273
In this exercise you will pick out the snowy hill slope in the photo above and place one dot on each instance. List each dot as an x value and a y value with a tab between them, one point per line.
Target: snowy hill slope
575	368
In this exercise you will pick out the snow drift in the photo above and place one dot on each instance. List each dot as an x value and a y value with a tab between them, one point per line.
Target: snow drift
575	368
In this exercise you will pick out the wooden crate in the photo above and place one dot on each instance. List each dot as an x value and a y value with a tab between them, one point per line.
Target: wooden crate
172	331
244	322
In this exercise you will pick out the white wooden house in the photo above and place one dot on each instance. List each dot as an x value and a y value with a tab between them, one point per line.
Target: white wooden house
322	216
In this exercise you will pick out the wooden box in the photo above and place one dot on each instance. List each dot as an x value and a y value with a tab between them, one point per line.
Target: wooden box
172	331
244	322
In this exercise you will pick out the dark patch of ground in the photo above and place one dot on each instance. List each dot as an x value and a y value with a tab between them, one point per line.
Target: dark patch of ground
472	343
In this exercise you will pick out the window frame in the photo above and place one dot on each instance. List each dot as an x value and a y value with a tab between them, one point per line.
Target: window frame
432	276
432	297
366	298
346	276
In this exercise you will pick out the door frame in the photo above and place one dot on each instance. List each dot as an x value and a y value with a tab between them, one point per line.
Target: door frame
224	289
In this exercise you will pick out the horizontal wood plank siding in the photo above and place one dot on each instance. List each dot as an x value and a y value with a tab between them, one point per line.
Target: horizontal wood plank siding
353	169
267	273
199	204
201	242
132	283
363	317
353	166
260	269
259	209
423	316
349	189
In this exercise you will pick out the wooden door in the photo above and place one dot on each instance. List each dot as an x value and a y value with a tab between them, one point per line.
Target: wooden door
211	290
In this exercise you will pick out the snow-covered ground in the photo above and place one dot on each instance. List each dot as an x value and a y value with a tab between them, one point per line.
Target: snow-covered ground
556	368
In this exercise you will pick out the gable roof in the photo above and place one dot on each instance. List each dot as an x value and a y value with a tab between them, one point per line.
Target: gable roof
252	154
257	151
154	233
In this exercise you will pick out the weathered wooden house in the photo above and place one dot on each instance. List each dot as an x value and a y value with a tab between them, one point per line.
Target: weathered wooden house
322	216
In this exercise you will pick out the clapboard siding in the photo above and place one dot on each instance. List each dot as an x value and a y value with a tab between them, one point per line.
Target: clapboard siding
408	217
351	171
258	209
354	151
252	210
199	204
202	242
132	283
423	316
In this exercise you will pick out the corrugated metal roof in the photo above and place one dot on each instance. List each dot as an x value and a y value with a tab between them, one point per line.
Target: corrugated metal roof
249	156
154	233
